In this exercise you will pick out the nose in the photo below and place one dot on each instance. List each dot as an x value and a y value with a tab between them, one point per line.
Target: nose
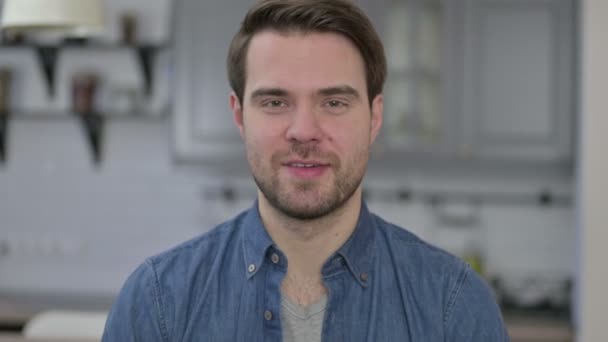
304	126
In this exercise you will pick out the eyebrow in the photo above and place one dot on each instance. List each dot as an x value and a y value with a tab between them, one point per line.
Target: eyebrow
329	91
268	92
339	90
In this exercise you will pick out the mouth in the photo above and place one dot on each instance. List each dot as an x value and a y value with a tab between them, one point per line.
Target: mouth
305	165
306	169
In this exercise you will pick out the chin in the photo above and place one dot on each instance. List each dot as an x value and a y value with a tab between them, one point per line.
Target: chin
310	208
304	213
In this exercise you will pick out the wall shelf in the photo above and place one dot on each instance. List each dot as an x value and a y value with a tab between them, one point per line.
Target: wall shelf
17	114
93	123
48	55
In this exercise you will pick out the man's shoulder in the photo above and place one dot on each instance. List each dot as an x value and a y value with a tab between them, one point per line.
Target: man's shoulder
411	253
200	249
407	241
446	284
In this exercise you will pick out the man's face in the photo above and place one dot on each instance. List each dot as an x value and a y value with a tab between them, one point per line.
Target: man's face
306	120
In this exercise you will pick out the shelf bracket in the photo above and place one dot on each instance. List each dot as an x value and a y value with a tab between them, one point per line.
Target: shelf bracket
3	136
93	126
47	57
147	54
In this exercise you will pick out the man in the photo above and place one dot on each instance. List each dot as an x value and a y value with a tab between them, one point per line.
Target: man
308	262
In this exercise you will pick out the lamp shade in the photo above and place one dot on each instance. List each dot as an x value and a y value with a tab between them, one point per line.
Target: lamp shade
78	17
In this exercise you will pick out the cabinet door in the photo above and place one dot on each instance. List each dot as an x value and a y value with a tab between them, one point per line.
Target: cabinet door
204	129
416	35
517	86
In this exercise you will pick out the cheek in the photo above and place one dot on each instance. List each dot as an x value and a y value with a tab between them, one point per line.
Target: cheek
259	129
347	136
263	140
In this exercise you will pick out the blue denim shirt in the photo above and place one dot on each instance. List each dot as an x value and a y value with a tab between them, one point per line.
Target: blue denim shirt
384	284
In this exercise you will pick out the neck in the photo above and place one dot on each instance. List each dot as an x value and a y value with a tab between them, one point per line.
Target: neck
309	243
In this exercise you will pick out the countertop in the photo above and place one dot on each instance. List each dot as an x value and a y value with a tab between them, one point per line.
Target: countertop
17	308
19	338
538	328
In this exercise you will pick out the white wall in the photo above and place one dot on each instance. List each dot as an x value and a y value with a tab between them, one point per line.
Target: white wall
71	226
593	171
67	225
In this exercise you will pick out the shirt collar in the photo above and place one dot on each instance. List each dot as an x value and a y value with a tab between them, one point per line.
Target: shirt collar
357	252
256	240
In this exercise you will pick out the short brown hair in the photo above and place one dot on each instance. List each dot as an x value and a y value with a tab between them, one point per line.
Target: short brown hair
335	16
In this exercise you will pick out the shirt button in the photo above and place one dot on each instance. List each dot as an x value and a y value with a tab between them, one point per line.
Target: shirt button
251	268
363	276
274	258
267	315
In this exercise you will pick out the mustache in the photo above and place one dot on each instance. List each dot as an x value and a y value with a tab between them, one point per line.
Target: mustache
307	150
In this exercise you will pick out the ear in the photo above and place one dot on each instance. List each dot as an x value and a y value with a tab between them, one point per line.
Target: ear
237	112
377	116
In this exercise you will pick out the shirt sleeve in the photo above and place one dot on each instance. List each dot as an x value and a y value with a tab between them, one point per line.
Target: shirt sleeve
136	316
472	314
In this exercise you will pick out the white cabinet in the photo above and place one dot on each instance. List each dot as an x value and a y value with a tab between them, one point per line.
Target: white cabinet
204	130
517	84
479	79
414	41
468	79
417	36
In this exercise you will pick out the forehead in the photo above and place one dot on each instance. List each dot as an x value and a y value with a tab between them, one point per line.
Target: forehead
303	61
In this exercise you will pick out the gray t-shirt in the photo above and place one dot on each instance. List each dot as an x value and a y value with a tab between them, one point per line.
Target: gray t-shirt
302	323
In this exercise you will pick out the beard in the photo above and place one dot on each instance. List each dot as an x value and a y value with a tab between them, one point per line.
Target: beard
308	199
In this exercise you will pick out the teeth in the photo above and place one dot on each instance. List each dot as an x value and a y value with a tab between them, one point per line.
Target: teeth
303	165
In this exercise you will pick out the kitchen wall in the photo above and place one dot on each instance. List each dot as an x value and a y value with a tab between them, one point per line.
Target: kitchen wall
70	226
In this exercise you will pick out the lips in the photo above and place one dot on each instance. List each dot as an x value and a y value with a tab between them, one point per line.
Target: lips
306	169
305	164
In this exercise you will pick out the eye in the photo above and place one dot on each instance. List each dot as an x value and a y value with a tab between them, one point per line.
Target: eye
336	103
336	106
274	103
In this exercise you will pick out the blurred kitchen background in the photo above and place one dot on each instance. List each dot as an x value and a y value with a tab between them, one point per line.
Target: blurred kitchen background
118	147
